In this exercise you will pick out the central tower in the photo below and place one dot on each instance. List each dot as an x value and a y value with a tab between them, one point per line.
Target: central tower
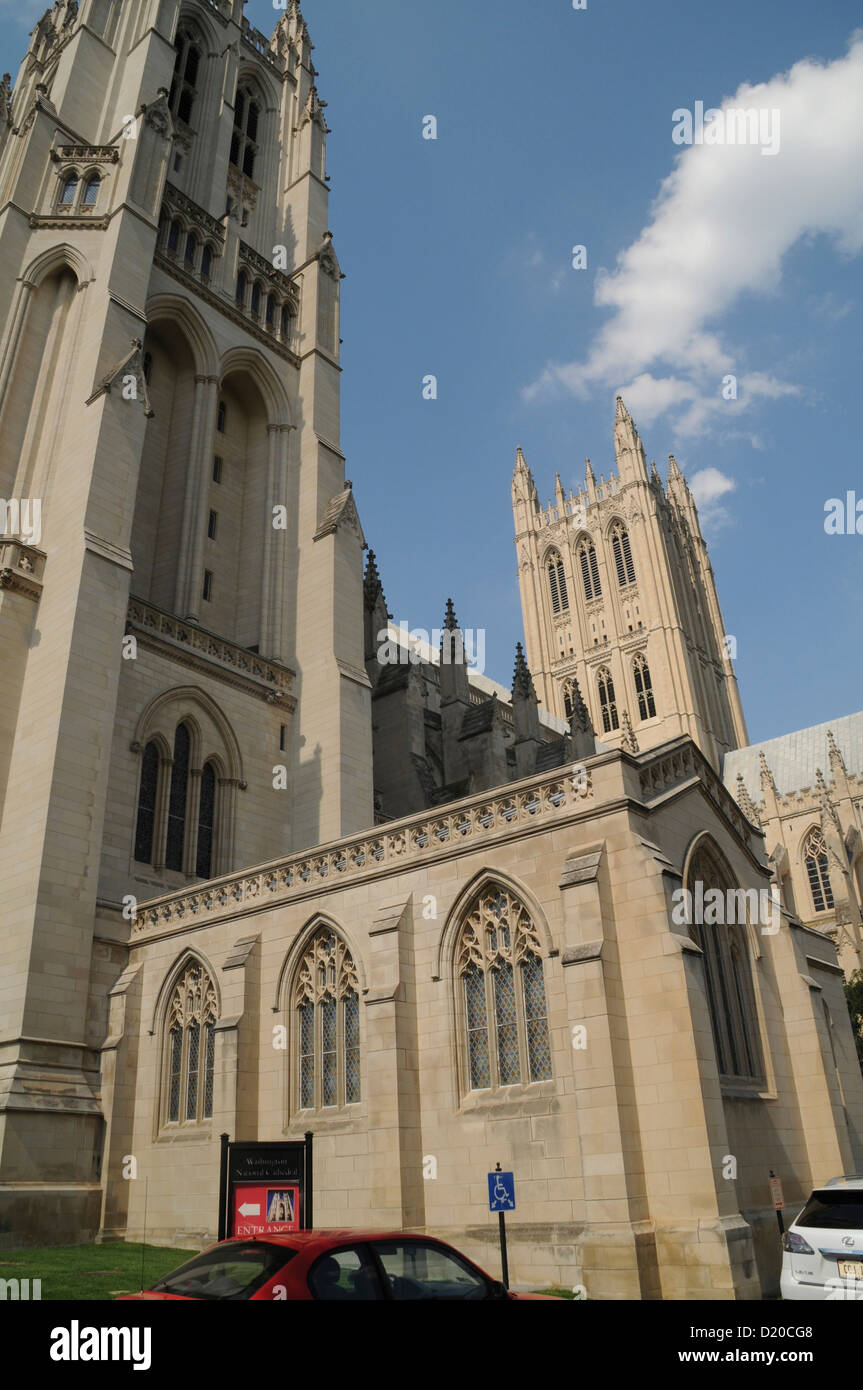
618	599
183	683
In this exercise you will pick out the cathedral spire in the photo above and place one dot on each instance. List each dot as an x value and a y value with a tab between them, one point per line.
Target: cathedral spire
450	621
372	586
628	448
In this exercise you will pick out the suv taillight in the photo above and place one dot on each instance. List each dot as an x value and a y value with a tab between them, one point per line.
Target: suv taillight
795	1244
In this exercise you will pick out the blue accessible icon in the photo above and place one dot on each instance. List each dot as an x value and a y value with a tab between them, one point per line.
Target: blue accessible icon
501	1192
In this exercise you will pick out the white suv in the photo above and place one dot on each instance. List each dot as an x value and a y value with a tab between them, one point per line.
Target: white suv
822	1250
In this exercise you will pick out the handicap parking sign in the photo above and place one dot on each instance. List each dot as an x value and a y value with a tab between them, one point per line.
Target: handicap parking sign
501	1192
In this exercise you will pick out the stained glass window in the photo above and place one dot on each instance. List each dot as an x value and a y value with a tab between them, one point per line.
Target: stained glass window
818	870
190	1066
147	795
326	999
209	1069
175	1075
505	1015
352	1047
177	804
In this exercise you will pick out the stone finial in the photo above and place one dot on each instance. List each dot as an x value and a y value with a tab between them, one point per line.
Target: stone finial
522	681
837	762
628	741
588	472
450	621
745	802
372	586
654	473
579	720
767	782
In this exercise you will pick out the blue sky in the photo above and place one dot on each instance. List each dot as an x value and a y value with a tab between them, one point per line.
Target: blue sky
554	130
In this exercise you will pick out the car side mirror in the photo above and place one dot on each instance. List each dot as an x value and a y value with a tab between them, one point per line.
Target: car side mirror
499	1290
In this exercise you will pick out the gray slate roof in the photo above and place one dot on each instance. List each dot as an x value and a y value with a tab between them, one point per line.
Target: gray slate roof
794	758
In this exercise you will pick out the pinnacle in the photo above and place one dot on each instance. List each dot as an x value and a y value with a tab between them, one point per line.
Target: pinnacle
372	586
450	621
522	681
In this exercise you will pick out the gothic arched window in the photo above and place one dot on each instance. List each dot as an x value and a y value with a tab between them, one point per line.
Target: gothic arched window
185	82
622	556
271	311
241	288
327	1004
190	1048
91	191
643	687
589	570
287	320
500	975
607	702
69	190
174	233
145	827
191	251
727	969
256	299
818	870
177	804
567	699
244	147
557	585
206	822
206	263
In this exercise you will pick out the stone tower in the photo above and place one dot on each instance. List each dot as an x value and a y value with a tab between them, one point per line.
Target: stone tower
619	600
182	687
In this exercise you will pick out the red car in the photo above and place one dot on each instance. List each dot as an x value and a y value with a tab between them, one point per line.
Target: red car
332	1266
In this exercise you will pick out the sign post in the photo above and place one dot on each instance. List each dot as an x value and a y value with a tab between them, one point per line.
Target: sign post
501	1198
265	1189
778	1199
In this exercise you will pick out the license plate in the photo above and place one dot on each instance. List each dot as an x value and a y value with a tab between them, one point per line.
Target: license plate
850	1269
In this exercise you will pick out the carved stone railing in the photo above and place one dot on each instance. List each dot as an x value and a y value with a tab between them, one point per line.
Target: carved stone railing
473	822
276	279
261	44
682	763
177	202
274	680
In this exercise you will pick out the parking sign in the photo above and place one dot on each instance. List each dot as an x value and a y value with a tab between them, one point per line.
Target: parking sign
501	1192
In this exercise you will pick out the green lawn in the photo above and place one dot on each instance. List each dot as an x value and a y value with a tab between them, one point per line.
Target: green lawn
93	1272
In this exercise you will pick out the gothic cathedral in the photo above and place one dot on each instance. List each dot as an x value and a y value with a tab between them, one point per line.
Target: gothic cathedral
261	875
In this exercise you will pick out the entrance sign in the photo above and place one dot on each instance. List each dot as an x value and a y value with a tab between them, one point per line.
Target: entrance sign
265	1189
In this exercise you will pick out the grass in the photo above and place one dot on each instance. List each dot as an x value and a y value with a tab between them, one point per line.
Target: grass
95	1273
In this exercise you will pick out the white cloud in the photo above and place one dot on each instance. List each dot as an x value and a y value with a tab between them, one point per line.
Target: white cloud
723	221
708	486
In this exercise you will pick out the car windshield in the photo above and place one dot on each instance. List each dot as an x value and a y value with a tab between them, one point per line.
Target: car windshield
833	1210
233	1271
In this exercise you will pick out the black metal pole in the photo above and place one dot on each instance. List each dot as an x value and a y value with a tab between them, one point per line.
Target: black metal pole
307	1216
778	1210
503	1260
223	1187
501	1223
